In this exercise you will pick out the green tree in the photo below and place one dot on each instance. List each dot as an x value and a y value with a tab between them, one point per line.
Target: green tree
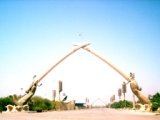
155	99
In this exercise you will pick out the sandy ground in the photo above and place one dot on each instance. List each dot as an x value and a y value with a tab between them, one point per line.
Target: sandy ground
89	114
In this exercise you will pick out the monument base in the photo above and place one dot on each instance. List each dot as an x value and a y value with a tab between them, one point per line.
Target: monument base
13	108
144	108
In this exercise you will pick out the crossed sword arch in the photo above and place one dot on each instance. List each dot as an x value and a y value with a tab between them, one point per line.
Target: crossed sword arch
134	86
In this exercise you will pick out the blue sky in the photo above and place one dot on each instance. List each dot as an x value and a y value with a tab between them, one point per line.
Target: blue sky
34	34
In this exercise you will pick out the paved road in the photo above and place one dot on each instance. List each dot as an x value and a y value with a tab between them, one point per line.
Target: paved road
90	114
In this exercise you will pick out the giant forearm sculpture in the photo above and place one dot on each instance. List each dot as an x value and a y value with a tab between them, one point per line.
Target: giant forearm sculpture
31	91
133	84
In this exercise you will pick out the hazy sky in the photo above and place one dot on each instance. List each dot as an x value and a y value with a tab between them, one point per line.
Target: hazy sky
35	34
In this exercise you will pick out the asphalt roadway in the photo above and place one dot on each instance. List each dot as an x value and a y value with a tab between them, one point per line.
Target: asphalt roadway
88	114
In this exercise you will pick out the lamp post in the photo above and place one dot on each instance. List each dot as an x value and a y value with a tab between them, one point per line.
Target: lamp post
124	92
119	93
54	95
60	88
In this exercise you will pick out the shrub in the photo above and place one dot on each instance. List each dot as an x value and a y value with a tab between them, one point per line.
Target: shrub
40	104
122	104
